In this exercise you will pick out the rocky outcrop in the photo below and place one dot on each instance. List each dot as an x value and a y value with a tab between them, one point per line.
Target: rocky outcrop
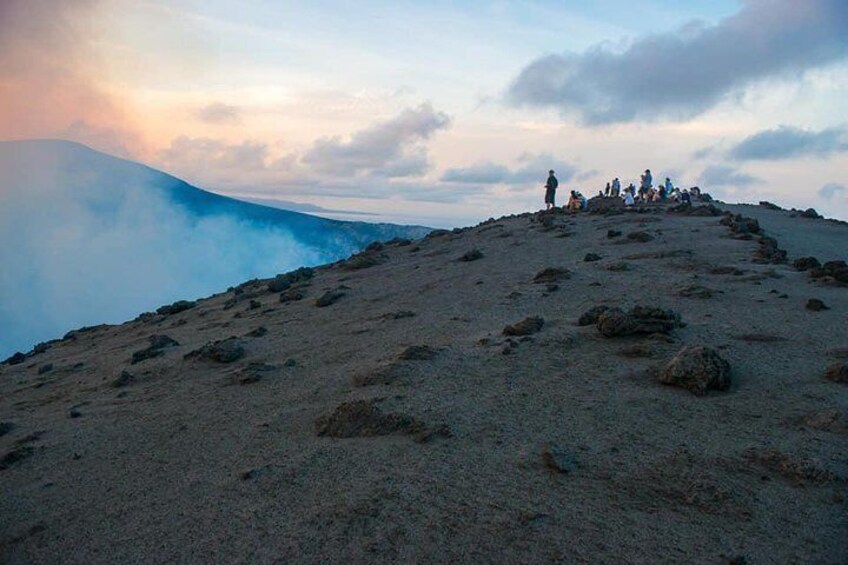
176	307
284	281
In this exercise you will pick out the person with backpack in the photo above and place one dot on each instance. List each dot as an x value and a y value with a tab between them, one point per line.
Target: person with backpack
550	190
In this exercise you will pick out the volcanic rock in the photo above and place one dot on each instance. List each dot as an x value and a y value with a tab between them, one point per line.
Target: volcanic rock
697	369
224	351
526	326
838	373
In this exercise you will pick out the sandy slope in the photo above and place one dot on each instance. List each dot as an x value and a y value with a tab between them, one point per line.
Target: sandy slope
182	465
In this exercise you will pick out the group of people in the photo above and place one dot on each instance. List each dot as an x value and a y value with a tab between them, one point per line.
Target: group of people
631	195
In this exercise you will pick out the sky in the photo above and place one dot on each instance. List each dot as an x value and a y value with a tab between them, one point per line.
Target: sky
442	113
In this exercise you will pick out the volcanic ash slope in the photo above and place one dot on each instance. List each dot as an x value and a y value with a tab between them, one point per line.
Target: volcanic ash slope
437	401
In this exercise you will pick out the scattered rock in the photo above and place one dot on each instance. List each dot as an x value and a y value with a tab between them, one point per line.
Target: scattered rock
124	379
526	326
838	373
810	213
806	263
590	257
741	225
175	308
816	305
419	353
472	255
613	234
799	471
19	453
639	320
254	304
829	420
638	350
286	280
74	413
618	267
590	317
831	271
46	368
558	459
258	332
399	315
641	236
697	369
225	351
769	205
15	359
158	343
697	291
608	205
769	252
328	298
361	418
6	427
364	260
293	294
684	209
551	275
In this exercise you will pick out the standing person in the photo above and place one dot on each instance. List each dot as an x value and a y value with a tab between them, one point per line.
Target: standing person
550	190
616	187
647	181
607	190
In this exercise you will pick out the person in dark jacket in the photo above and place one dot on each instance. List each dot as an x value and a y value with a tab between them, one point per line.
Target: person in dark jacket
550	190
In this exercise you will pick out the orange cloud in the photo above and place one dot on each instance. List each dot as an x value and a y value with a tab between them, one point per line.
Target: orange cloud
51	83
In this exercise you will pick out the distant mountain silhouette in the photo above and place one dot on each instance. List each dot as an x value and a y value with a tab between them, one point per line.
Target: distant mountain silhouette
89	237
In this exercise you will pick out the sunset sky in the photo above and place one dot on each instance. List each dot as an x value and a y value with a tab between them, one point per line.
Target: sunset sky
439	112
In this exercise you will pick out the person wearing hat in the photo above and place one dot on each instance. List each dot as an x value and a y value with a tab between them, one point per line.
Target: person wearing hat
550	190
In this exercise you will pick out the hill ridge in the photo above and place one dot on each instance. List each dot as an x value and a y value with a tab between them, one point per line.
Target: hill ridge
445	399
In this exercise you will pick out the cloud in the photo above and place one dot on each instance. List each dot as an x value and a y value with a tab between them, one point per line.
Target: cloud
680	75
723	175
219	113
389	149
199	155
831	190
51	76
533	168
787	142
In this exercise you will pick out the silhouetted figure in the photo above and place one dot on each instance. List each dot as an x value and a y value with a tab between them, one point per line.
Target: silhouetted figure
607	190
647	181
550	190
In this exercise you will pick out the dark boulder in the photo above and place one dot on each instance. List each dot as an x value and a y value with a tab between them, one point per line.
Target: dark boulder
551	275
418	353
835	271
697	369
810	213
285	280
158	343
613	233
806	263
471	255
224	351
526	326
557	459
816	305
15	359
590	257
616	322
176	307
838	373
640	236
328	298
590	317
